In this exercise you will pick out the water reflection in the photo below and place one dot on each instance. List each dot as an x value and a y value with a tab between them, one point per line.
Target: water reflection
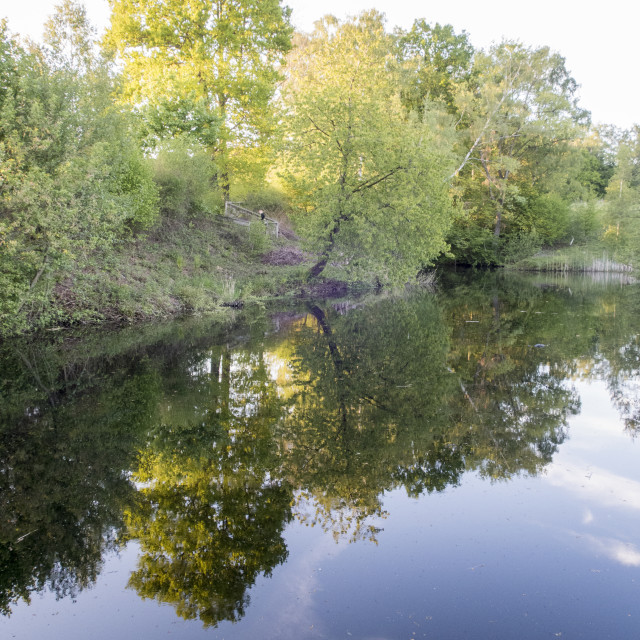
65	455
203	444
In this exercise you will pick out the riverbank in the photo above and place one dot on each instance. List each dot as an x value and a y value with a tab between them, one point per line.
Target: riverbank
179	267
189	266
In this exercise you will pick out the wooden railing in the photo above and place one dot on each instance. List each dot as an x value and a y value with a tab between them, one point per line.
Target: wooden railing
243	216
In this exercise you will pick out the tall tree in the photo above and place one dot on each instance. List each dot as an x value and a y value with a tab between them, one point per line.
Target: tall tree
436	61
219	58
522	116
368	182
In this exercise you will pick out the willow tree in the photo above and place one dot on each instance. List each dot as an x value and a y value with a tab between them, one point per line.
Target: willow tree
217	57
369	182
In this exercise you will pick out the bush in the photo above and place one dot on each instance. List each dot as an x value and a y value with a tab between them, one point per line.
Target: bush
259	239
585	222
72	178
268	198
184	174
521	246
546	215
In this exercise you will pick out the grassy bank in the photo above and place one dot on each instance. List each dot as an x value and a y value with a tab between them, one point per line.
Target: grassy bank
180	266
207	264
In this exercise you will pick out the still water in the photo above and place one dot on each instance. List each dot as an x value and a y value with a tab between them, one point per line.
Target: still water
453	464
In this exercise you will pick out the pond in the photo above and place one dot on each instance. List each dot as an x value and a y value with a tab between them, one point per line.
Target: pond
458	463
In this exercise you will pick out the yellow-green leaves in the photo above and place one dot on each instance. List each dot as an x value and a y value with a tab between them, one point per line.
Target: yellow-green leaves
215	60
368	181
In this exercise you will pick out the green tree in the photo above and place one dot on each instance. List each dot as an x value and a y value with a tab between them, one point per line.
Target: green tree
597	163
369	183
72	177
436	61
212	64
522	118
623	198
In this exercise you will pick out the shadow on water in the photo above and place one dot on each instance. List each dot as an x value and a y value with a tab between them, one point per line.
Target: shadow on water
202	442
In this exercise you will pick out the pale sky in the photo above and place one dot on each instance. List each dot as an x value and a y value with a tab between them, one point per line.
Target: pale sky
599	40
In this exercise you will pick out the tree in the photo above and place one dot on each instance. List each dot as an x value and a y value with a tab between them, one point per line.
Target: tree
623	196
522	116
597	162
436	61
72	177
213	61
369	183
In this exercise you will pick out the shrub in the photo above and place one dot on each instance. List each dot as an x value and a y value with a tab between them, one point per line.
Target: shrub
184	174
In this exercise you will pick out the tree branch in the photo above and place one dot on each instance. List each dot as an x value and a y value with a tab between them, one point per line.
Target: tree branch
372	182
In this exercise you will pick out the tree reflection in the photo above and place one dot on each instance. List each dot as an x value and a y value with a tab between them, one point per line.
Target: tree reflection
388	398
370	411
211	514
203	447
514	403
63	461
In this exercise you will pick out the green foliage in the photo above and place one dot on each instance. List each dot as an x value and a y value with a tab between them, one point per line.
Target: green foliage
206	68
270	198
72	175
133	179
188	117
595	171
369	184
523	245
366	166
259	239
585	221
472	244
435	62
545	215
184	177
622	235
519	120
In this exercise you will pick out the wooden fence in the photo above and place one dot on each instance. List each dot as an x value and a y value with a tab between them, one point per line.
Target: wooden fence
241	215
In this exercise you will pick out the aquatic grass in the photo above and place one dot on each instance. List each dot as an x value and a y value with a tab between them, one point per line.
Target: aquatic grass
572	260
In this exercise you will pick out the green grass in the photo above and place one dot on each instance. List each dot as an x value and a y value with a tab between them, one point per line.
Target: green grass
179	267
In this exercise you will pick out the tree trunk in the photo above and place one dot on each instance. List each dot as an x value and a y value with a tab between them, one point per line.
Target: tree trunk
318	267
496	229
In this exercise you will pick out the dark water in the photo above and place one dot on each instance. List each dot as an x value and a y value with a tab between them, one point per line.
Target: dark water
462	464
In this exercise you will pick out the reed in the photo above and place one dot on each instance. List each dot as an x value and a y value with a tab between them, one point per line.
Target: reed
571	261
